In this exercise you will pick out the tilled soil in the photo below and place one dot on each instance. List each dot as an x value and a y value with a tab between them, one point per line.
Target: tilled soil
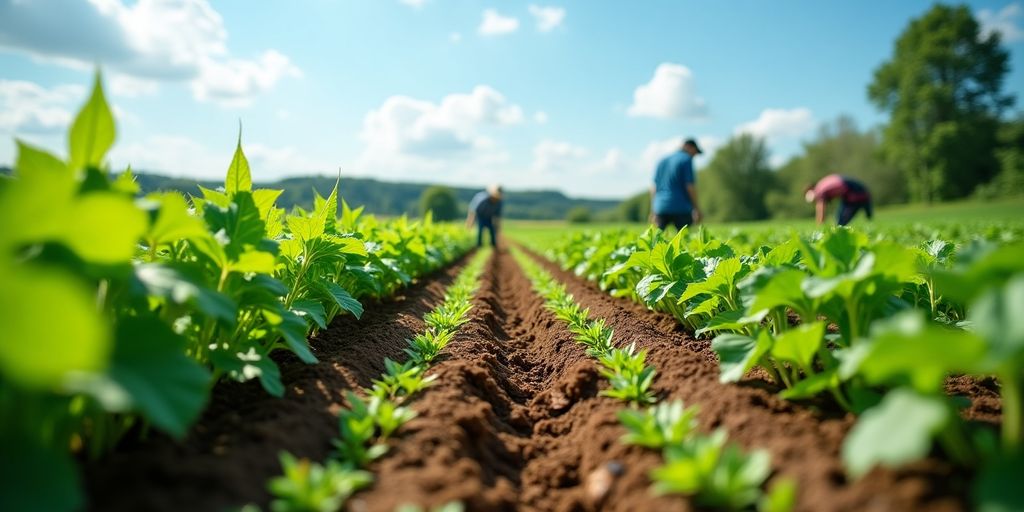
226	459
514	421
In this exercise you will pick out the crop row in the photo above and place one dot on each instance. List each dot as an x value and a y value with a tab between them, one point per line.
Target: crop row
873	324
366	425
708	468
120	314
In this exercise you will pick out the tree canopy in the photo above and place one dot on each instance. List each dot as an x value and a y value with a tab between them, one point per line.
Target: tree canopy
441	201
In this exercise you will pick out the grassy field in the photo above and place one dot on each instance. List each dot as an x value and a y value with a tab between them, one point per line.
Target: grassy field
970	212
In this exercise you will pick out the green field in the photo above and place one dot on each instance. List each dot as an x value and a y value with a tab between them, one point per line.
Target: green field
974	213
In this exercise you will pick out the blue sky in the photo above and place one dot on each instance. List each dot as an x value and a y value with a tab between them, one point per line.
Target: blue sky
582	96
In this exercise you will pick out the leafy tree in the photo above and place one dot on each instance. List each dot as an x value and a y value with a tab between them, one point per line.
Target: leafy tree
578	215
839	147
441	201
734	184
636	208
1010	181
943	90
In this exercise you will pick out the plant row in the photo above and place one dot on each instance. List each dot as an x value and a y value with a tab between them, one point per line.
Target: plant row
873	324
367	424
708	468
121	312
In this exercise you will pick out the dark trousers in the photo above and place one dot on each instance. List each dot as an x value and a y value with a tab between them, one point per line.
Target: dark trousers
847	209
679	220
481	224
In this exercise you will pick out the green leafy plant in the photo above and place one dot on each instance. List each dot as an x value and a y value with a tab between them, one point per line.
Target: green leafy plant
310	487
401	380
659	426
629	376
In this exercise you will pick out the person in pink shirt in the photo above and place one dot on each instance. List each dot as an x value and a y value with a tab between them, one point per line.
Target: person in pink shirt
852	194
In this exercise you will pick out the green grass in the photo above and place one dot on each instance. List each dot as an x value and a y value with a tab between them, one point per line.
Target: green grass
961	212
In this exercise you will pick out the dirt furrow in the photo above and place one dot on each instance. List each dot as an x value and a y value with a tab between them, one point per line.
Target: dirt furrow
227	458
803	440
514	421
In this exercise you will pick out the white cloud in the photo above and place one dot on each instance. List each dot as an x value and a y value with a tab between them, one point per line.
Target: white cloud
455	38
1004	22
131	87
27	107
161	40
775	124
415	4
670	94
179	155
406	133
540	117
547	18
557	156
494	24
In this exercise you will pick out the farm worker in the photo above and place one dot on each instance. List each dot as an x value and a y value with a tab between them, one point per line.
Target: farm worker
486	209
852	194
674	193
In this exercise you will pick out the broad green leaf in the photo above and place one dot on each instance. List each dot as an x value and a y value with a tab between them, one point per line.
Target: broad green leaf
344	299
908	348
997	486
738	354
35	350
780	498
215	196
105	228
237	226
799	344
293	330
812	386
173	221
733	320
172	285
313	310
239	179
245	365
783	288
34	163
254	261
34	477
264	199
92	132
897	431
167	386
125	183
998	316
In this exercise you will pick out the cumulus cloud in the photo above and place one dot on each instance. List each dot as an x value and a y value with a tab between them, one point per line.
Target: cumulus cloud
406	133
27	107
670	94
495	24
1005	22
180	155
557	156
155	40
775	124
547	18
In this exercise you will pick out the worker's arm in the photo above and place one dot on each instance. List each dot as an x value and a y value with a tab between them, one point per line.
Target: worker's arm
691	188
819	211
470	217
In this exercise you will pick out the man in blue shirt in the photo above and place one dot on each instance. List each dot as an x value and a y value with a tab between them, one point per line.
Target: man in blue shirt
674	193
485	208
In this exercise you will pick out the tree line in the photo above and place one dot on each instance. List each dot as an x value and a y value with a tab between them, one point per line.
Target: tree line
952	133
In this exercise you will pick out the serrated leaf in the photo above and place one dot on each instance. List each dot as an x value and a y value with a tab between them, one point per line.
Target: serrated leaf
167	386
344	299
311	309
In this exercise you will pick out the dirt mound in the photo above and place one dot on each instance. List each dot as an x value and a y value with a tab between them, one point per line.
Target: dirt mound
227	458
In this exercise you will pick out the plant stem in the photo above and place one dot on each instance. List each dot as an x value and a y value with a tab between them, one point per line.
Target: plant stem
1013	407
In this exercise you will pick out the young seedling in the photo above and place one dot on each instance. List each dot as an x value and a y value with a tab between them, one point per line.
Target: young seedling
425	347
310	487
629	376
659	426
401	380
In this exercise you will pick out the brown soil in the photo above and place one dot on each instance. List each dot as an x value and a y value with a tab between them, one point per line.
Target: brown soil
514	421
227	458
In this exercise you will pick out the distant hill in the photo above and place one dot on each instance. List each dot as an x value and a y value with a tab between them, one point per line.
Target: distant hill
384	197
389	198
